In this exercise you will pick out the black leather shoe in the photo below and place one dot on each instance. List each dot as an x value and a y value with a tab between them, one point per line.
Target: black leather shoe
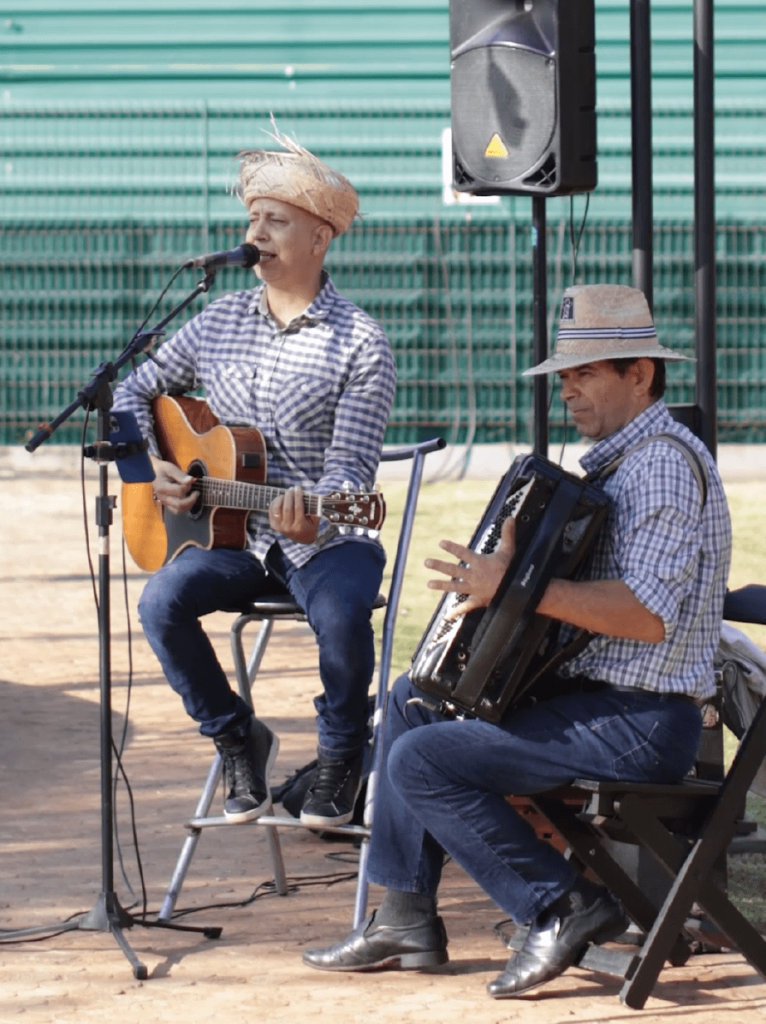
372	946
555	942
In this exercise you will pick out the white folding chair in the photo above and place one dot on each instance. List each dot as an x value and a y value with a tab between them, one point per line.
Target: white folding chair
267	611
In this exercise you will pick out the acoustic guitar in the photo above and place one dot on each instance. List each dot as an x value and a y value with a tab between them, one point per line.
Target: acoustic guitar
229	466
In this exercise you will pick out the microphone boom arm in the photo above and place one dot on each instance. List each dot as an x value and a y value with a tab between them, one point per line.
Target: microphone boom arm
97	393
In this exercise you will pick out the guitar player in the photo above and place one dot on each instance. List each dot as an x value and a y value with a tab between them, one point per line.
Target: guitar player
315	374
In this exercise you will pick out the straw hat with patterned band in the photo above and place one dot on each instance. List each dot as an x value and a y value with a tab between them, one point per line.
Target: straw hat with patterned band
297	177
604	321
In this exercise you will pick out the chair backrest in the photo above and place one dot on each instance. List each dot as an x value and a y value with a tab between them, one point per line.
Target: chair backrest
417	454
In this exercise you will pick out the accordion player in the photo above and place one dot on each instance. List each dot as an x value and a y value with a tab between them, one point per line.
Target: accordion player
486	660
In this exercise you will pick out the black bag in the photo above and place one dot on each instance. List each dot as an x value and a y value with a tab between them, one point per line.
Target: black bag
292	793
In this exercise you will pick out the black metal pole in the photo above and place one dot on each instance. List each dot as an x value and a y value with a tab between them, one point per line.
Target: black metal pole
107	915
704	223
104	508
540	326
641	134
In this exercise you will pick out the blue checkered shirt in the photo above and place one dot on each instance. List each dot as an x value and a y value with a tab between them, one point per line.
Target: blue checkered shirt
673	554
320	391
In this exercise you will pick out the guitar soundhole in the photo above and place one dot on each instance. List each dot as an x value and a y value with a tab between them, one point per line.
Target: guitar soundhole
196	469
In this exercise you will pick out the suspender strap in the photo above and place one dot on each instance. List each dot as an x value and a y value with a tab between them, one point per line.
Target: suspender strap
692	456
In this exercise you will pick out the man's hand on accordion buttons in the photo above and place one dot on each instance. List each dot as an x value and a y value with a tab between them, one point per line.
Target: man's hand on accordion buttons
479	575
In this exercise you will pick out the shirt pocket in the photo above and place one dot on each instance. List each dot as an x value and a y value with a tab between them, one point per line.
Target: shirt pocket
305	403
229	385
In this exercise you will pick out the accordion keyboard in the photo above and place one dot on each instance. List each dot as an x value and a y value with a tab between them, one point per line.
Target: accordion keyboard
486	543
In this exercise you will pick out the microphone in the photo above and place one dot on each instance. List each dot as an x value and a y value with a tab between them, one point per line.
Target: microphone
243	256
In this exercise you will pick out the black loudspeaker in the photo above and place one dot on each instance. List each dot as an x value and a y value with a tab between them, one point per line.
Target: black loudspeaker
523	81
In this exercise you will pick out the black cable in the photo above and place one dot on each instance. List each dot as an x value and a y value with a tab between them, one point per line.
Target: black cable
344	856
269	888
159	299
500	930
85	512
27	932
134	830
52	929
119	768
563	434
575	242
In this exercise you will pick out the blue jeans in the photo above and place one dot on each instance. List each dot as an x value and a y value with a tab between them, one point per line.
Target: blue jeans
443	784
336	589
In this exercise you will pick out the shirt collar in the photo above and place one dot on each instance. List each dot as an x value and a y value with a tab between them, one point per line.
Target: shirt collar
318	310
653	420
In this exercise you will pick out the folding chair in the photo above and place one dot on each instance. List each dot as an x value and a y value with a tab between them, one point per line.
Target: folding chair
267	611
687	828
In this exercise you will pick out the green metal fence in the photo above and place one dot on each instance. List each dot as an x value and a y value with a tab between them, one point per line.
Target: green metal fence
455	298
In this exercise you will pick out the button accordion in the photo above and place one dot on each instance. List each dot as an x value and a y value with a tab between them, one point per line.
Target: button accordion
486	661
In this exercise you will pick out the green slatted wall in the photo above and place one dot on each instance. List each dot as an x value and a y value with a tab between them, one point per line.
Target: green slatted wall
118	126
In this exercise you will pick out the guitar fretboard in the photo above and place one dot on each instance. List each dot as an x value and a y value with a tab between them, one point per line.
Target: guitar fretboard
254	497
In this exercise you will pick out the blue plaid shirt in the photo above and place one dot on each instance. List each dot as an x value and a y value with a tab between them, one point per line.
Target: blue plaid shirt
320	391
673	554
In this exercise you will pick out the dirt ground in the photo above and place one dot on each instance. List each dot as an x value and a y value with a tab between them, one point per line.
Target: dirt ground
51	832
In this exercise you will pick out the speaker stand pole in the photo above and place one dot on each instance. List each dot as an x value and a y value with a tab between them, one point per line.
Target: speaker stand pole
641	148
540	325
705	309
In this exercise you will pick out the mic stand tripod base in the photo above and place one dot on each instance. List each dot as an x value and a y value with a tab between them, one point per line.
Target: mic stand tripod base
107	915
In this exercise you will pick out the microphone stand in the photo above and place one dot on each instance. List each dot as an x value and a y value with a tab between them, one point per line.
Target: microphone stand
107	915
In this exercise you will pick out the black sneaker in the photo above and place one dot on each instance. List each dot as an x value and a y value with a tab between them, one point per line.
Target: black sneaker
333	791
248	756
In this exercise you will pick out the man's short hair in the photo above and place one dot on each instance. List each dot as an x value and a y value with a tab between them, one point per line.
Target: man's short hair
659	381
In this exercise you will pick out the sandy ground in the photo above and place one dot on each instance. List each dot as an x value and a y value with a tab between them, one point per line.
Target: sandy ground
51	834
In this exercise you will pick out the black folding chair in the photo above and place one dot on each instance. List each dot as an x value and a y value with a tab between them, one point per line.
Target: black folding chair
687	828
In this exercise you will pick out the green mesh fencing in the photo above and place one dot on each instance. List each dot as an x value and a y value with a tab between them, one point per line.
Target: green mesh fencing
454	297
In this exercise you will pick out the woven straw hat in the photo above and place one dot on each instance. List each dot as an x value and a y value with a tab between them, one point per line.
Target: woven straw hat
298	177
603	321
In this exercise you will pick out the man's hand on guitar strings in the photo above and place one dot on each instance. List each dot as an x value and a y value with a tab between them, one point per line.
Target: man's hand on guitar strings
477	576
287	515
172	486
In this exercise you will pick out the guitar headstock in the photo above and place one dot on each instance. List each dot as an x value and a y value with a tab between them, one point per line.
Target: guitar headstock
348	508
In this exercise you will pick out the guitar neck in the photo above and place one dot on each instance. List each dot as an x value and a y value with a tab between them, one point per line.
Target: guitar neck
253	497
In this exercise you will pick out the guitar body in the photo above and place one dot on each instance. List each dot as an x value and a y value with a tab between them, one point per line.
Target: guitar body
192	437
